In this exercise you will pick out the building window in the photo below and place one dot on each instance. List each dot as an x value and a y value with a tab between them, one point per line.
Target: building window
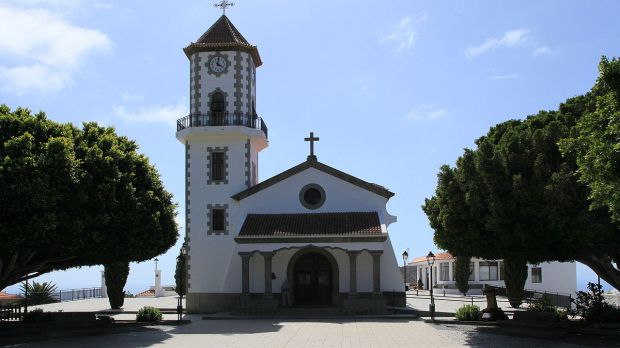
502	270
488	270
472	271
217	108
312	196
218	220
444	271
536	275
217	166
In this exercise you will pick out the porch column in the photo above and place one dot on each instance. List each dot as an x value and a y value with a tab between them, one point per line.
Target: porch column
376	272
353	273
245	272
267	256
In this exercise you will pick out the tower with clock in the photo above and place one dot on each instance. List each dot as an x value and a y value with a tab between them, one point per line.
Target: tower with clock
313	229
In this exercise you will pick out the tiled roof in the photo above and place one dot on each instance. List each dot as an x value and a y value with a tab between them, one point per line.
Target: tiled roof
438	257
147	293
322	224
222	31
313	163
221	36
7	297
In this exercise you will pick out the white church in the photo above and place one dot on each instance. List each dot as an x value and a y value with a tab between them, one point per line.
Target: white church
323	230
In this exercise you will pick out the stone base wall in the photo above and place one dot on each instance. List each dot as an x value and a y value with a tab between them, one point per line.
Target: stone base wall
204	302
364	303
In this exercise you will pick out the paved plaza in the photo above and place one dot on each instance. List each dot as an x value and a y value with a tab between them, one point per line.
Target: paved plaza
306	333
276	332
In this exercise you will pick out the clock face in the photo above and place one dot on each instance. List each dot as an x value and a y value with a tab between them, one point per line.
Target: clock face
217	64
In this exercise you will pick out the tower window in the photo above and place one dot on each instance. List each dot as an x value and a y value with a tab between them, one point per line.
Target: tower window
218	102
218	220
217	166
217	108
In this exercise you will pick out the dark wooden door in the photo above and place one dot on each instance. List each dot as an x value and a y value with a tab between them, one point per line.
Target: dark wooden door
312	280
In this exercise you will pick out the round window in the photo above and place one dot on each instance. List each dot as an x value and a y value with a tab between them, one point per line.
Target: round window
312	196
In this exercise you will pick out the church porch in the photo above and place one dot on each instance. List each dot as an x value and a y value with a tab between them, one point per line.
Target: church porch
345	277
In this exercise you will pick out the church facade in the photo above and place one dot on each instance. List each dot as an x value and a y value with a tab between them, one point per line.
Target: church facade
322	230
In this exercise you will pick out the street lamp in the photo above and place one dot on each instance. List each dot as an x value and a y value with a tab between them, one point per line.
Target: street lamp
184	280
430	259
405	256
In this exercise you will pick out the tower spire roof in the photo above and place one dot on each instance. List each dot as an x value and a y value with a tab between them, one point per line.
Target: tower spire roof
223	35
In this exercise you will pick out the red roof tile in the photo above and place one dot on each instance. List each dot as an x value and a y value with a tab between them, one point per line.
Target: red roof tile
221	36
5	296
323	224
438	257
147	293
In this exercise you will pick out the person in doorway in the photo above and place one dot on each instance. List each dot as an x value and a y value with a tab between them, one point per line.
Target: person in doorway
286	293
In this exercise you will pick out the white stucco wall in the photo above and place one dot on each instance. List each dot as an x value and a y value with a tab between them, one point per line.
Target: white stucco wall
557	277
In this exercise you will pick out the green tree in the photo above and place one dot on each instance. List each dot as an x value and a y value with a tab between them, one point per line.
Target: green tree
115	278
524	200
180	275
39	293
596	139
75	197
462	273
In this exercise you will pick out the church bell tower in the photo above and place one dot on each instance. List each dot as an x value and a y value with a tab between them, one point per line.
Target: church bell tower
222	136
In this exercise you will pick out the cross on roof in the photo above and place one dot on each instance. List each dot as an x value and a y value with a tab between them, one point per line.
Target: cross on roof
311	139
224	4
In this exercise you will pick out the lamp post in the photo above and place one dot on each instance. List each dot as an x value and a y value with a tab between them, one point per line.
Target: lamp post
180	305
405	256
430	259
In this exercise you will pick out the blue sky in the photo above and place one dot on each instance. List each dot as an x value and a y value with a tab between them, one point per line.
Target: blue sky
393	89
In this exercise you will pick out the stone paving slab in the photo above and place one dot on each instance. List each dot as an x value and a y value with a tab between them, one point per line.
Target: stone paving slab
303	333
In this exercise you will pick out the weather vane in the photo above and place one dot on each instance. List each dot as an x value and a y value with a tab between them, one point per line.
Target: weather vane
224	4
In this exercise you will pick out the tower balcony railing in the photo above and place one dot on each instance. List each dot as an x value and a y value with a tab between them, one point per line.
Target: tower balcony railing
215	119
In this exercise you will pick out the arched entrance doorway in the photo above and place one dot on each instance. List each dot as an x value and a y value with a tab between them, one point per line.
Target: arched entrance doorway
313	279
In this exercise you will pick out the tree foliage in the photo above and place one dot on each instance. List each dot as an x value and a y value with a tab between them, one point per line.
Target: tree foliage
462	272
516	197
39	293
595	140
75	197
115	278
180	274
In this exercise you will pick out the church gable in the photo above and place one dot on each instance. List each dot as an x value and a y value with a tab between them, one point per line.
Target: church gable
310	163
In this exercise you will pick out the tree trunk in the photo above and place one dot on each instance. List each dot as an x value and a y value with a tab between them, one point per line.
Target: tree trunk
515	277
603	266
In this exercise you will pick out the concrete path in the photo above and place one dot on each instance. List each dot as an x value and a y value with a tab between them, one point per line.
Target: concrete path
450	303
307	333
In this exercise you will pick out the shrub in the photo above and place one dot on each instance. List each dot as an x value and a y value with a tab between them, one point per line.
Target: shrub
462	273
149	314
468	313
37	316
592	306
544	305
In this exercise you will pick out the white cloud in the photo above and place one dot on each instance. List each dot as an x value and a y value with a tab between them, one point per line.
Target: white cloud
542	50
510	39
496	77
403	35
49	48
427	113
168	114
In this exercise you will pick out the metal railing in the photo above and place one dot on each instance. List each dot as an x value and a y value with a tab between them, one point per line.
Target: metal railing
76	294
214	119
11	312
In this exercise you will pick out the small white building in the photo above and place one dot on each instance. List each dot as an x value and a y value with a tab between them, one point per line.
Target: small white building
552	277
323	230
